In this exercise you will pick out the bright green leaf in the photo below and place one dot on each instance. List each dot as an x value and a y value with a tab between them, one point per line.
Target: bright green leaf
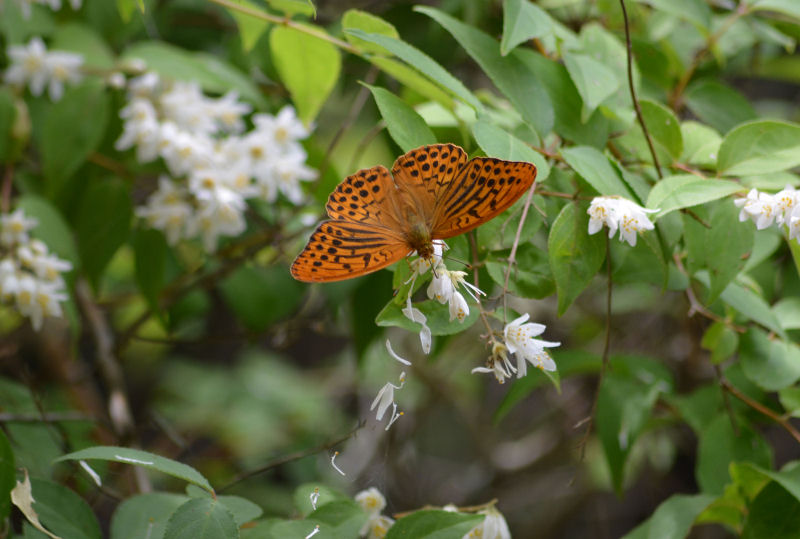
673	518
406	127
595	82
786	7
774	513
522	86
790	400
595	168
145	515
141	458
438	317
686	190
575	256
63	512
663	126
788	312
760	147
772	364
429	524
251	28
695	11
309	67
496	142
201	518
700	144
522	20
341	518
721	341
367	23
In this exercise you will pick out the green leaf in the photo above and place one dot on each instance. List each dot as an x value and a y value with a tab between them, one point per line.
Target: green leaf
522	86
242	509
413	79
623	407
141	458
201	518
496	142
771	364
302	500
696	12
421	62
747	303
406	127
127	7
294	7
8	115
686	190
760	147
719	446
700	144
84	40
428	524
52	228
522	20
566	102
595	168
575	256
721	341
438	317
774	513
103	224
248	289
727	247
786	7
788	312
530	277
62	155
788	477
367	23
663	126
250	28
7	476
150	251
62	511
211	73
145	515
595	82
718	105
340	518
790	400
309	67
673	518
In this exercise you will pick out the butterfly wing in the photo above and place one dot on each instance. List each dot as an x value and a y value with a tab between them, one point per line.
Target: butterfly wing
368	197
484	188
340	250
422	175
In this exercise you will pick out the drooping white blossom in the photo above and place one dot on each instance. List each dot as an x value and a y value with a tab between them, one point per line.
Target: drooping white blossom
519	337
494	526
619	214
32	65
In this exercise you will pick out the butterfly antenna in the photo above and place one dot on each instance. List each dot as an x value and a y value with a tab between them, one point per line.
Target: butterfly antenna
457	261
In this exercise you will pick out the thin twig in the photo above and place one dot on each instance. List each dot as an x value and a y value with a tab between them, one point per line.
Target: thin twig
695	306
639	116
755	405
514	246
291	457
474	245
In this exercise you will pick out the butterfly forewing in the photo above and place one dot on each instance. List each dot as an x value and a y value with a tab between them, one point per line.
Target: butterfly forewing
484	188
340	250
365	197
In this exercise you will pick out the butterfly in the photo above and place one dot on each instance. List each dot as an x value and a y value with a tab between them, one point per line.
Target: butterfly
433	192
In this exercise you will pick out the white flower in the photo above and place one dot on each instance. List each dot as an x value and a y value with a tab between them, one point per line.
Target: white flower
168	210
378	527
443	288
415	315
141	129
28	65
62	67
371	500
283	130
385	397
14	227
494	526
498	364
144	86
619	213
785	203
9	278
186	105
228	112
520	341
762	208
221	214
37	299
48	267
458	307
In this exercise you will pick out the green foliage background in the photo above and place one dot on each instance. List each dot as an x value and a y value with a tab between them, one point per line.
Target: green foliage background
226	366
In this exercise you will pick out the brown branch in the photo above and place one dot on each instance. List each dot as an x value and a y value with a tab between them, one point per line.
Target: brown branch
727	400
639	116
291	457
757	406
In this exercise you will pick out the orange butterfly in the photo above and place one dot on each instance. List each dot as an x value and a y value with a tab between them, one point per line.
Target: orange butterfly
433	192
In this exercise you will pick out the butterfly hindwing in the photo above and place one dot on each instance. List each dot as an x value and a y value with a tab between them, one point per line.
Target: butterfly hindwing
340	250
427	171
485	188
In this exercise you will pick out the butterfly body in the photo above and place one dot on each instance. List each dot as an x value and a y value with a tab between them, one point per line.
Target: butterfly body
378	217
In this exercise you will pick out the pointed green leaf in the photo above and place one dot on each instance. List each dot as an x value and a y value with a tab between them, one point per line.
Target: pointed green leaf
595	82
145	515
760	147
141	458
250	28
522	20
663	126
428	524
595	168
575	256
786	7
367	23
718	105
406	127
687	190
673	518
695	11
63	512
201	518
496	142
309	67
771	364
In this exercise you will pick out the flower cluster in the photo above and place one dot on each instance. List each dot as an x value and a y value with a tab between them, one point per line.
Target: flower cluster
203	142
519	339
373	502
619	213
30	277
764	209
33	65
385	397
55	5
